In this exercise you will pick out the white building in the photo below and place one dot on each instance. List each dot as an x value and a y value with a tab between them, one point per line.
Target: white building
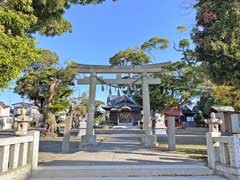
6	121
32	111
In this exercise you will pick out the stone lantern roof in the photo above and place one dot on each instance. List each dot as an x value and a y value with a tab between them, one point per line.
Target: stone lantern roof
22	116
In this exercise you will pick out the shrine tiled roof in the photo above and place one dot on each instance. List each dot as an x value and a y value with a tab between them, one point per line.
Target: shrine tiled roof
174	112
179	112
121	102
222	108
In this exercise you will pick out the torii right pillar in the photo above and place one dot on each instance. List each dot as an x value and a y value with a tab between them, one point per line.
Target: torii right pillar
149	139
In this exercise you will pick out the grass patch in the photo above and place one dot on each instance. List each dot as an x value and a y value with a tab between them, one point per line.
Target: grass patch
198	152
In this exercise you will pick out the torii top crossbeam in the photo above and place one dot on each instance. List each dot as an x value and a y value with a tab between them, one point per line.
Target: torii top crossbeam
149	68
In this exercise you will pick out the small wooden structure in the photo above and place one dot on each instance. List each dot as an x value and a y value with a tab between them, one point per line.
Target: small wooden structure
224	113
180	116
123	111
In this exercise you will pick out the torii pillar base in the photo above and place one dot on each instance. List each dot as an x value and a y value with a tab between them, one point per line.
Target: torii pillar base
88	140
149	140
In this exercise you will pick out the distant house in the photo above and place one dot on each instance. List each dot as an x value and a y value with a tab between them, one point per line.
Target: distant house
6	121
32	111
123	110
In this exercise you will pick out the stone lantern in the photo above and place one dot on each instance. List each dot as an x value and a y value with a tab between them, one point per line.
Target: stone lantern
22	123
213	123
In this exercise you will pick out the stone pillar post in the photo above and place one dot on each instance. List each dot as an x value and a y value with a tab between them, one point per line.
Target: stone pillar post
149	140
146	106
90	138
211	150
171	134
67	134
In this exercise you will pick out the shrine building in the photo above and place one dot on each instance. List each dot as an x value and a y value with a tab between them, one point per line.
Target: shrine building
123	111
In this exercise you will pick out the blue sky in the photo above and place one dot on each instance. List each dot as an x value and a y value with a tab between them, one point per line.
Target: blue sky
101	31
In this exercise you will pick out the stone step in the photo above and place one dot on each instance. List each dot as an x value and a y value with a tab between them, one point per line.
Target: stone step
139	178
121	171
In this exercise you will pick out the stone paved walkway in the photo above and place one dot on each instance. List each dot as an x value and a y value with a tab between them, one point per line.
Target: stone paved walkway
120	147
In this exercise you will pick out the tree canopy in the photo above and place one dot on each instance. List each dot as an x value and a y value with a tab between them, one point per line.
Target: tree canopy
180	81
46	84
216	35
129	56
153	45
19	19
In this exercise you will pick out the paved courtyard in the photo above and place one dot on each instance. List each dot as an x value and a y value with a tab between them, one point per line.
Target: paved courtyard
120	147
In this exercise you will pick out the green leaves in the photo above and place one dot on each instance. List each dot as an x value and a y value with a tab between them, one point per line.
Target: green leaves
180	83
46	84
15	54
182	28
50	16
216	35
19	19
129	56
140	55
184	43
85	2
155	43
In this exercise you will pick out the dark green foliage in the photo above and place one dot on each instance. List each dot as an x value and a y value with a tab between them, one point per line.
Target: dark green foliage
216	35
17	49
45	84
180	83
129	57
19	19
203	106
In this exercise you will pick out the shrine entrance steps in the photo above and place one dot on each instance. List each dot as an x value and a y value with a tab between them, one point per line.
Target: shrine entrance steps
128	172
120	156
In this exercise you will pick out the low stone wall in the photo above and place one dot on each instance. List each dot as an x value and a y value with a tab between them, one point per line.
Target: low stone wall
192	131
18	155
224	154
184	139
21	173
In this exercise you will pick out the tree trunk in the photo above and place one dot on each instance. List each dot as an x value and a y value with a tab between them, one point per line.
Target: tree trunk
49	118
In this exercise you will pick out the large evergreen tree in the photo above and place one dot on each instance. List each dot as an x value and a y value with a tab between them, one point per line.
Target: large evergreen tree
47	85
19	19
216	35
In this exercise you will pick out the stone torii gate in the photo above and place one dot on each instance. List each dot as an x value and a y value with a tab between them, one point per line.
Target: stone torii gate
90	139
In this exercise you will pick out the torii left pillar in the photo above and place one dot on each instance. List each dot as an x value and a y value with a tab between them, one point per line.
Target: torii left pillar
149	139
90	137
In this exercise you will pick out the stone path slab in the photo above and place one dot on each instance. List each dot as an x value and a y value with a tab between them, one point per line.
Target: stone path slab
119	156
121	171
141	178
122	147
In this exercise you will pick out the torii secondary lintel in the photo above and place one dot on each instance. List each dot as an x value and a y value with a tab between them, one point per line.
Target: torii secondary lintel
90	139
120	81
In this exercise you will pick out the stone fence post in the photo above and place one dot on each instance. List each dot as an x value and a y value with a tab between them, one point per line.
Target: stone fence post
34	149
234	151
171	129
